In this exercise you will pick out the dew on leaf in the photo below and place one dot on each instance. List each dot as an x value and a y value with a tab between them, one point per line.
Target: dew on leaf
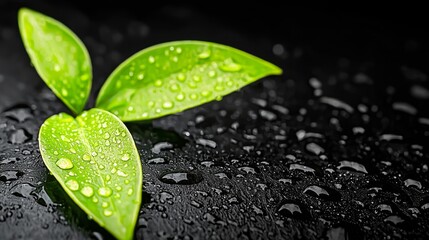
72	185
87	191
104	191
64	163
125	157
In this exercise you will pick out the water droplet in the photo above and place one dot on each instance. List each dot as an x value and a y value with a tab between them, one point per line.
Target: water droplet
314	148
57	68
353	166
391	137
247	170
64	163
23	190
157	148
130	192
10	175
84	77
196	78
121	174
204	54
213	219
107	213
180	97
267	115
86	157
337	104
106	136
125	157
293	209
395	220
64	92
206	142
140	76
323	193
302	168
158	83
385	208
168	105
181	77
184	178
104	191
196	204
151	59
87	191
413	183
19	136
404	107
64	138
72	185
230	66
156	161
212	74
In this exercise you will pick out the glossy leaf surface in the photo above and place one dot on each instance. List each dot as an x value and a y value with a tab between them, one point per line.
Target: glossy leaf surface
95	160
59	57
171	77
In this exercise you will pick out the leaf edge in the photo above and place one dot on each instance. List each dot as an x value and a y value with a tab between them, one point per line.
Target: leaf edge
21	14
139	186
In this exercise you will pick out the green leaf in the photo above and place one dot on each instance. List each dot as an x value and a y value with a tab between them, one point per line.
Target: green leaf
95	160
59	57
171	77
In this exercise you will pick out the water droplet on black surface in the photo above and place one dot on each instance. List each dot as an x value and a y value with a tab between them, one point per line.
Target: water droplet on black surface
184	178
350	165
293	209
156	161
206	142
323	193
314	148
23	190
10	175
413	183
157	148
302	168
19	136
213	219
19	113
385	208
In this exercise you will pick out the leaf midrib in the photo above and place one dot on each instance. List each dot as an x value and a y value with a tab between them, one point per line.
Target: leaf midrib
88	146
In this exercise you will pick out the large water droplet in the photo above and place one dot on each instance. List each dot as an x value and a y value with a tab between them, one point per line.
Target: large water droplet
107	213
293	209
184	178
204	54
10	175
337	104
168	105
104	191
87	191
302	168
19	136
323	193
72	185
353	166
413	183
64	163
230	66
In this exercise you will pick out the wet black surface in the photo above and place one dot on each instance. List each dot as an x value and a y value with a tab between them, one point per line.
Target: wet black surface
336	148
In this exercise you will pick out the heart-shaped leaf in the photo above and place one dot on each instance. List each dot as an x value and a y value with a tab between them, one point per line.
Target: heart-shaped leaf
59	57
171	77
95	160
